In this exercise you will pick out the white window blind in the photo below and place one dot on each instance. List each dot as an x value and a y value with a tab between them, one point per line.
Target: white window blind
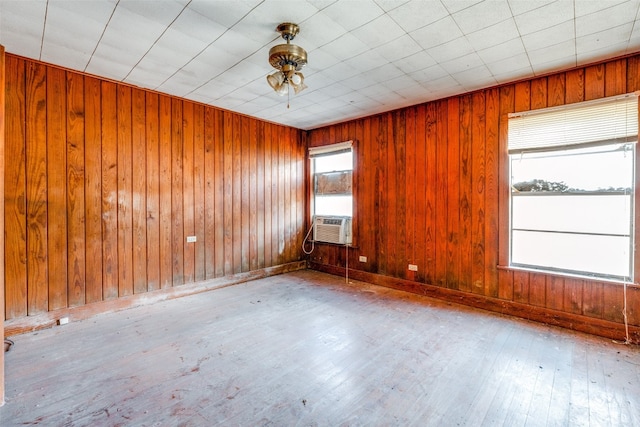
328	150
604	120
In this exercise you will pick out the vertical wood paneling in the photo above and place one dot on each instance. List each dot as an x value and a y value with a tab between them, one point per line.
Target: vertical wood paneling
492	173
228	194
15	197
219	186
210	183
76	195
165	182
56	187
439	140
177	199
106	181
109	162
453	194
245	195
188	192
199	192
236	208
36	166
478	192
252	156
93	189
3	87
268	196
124	200
139	192
152	140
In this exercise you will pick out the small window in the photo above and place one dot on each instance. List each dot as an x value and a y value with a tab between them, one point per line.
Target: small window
332	168
572	175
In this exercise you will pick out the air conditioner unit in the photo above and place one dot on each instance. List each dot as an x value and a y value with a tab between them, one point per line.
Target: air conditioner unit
332	229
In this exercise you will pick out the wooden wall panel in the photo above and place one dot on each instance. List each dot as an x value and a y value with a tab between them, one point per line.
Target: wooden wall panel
433	190
15	213
36	189
106	181
75	191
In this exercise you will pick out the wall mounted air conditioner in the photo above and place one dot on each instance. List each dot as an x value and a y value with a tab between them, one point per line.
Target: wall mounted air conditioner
332	229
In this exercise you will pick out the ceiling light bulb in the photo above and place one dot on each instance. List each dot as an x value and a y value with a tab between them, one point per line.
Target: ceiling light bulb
295	79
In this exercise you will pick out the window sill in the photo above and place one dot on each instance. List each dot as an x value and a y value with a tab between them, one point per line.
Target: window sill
567	275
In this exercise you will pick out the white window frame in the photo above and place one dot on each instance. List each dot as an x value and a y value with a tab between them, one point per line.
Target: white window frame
604	122
328	150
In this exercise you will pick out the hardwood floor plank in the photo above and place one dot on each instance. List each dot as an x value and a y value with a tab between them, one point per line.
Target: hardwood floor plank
306	348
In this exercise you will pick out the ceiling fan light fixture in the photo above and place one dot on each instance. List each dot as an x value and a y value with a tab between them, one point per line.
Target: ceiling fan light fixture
288	59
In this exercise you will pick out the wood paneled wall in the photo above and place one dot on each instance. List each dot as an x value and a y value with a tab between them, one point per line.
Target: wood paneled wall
431	189
104	182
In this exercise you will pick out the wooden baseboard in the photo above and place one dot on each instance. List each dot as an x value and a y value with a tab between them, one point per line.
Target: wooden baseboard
47	320
544	315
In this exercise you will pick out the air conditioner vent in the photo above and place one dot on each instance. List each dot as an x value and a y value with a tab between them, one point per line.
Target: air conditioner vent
332	230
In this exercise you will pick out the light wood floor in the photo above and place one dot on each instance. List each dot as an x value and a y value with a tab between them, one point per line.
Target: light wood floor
307	349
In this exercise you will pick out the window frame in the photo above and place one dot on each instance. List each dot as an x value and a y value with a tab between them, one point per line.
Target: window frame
506	239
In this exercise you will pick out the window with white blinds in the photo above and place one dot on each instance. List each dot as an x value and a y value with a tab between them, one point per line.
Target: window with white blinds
332	179
572	177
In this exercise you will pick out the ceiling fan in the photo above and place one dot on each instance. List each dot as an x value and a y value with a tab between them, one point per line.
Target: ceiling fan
288	59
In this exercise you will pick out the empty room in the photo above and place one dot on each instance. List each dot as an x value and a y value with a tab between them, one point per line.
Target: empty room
320	212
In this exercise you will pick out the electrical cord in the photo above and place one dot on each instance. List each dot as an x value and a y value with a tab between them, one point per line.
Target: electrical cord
304	242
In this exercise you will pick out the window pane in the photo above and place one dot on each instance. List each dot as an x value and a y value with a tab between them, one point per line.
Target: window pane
586	169
336	162
334	205
604	255
605	213
572	209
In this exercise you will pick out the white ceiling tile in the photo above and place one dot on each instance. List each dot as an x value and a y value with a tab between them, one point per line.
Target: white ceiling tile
320	59
553	53
389	5
383	73
346	47
400	82
77	26
462	64
549	36
512	76
261	22
427	74
518	7
379	31
493	35
369	59
545	17
482	15
353	14
604	39
22	26
504	50
415	62
320	30
604	19
451	50
442	83
589	7
225	12
401	47
454	6
509	64
416	14
437	33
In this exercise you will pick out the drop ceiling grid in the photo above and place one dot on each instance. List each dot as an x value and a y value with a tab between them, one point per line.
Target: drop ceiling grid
365	56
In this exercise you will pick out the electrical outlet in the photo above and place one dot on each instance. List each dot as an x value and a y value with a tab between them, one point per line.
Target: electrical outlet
191	239
363	258
413	267
63	321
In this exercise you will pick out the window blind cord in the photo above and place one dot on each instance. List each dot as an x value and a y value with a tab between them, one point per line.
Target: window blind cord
304	242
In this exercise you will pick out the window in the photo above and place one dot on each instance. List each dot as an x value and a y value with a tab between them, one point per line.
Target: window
572	172
332	167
